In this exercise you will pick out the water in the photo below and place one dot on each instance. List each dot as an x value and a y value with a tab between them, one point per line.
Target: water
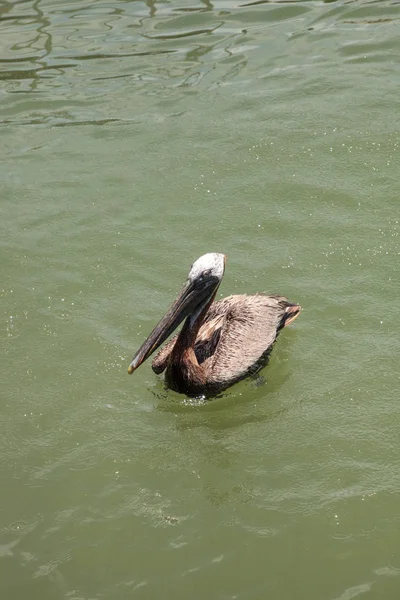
135	137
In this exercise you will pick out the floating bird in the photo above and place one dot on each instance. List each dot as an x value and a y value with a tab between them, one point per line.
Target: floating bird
220	342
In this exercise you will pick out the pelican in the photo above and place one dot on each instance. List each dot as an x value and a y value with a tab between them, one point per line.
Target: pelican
220	342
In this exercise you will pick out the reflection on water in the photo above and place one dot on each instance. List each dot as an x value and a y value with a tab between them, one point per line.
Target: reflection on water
76	54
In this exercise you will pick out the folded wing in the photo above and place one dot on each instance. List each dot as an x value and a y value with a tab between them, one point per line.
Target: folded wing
236	337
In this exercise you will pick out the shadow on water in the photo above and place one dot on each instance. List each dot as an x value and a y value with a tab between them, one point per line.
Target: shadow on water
253	400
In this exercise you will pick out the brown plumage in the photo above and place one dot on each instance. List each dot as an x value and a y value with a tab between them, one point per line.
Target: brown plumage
221	342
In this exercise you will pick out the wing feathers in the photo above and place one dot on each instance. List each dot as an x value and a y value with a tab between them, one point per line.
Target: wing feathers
236	337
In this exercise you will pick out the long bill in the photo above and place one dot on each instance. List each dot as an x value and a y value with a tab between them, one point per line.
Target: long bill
186	303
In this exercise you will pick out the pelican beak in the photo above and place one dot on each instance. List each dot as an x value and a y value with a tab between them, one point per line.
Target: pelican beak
192	295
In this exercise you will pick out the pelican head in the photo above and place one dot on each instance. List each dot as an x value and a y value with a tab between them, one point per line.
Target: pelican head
209	264
203	280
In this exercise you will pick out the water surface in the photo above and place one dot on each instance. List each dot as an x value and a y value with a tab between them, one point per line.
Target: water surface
135	137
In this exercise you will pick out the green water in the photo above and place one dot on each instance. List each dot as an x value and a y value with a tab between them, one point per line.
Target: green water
134	138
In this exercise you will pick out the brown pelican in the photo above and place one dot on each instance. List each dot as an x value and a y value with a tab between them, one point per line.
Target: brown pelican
220	342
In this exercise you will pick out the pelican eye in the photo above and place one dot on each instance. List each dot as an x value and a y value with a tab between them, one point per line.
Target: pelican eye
204	274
